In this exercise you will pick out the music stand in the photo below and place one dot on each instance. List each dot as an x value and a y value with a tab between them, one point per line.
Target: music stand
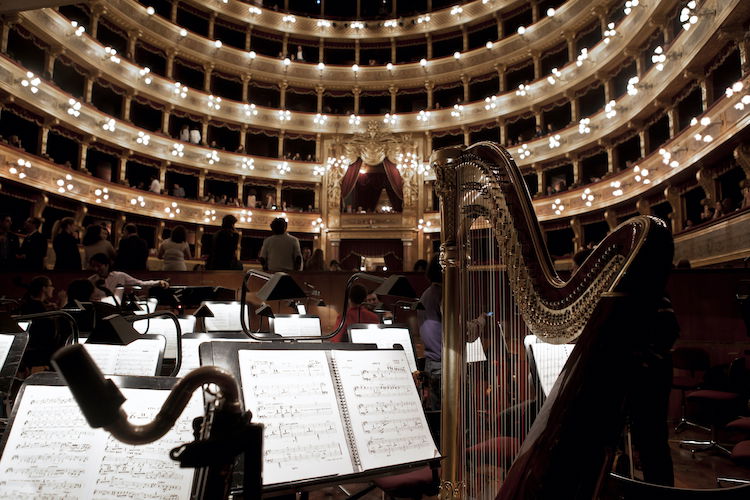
278	286
385	337
148	337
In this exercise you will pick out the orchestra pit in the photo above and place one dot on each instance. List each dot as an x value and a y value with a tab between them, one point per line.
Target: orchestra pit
491	249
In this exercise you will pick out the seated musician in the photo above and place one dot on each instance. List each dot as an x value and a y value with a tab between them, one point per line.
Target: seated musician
105	281
373	304
357	312
46	335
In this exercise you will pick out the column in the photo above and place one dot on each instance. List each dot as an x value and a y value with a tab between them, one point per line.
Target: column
7	25
50	56
207	72
201	186
429	87
541	181
465	82
643	206
245	84
316	193
707	91
612	159
321	50
577	170
674	120
467	136
159	234
165	119
578	239
283	85
357	59
357	92
204	132
88	89
534	11
285	46
82	152
96	13
538	117
464	38
428	41
502	128
645	142
393	50
173	12
117	227
198	240
394	91
318	146
610	216
537	58
742	155
211	25
133	36
280	147
169	70
744	48
163	176
319	89
499	22
609	87
127	99
80	214
408	253
427	141
122	169
707	181
672	195
575	108
502	78
43	136
278	193
241	190
570	41
243	137
248	37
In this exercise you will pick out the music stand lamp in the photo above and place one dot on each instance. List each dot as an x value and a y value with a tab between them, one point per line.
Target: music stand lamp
200	315
46	314
278	286
394	285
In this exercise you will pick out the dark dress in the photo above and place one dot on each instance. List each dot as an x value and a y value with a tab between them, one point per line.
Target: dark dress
9	247
132	254
34	248
223	251
67	256
45	336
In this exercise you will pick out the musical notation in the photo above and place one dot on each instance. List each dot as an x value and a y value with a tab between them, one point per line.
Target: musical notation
191	352
386	416
226	317
386	338
292	393
52	452
6	341
140	357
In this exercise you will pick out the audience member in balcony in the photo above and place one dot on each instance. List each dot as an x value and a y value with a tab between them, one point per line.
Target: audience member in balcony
195	136
222	200
175	250
281	250
270	202
185	133
132	252
95	241
9	245
316	262
300	54
223	249
65	245
155	185
14	141
538	132
707	213
178	191
34	247
240	149
251	199
718	211
306	254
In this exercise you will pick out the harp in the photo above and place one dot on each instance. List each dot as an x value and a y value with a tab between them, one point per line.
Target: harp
497	437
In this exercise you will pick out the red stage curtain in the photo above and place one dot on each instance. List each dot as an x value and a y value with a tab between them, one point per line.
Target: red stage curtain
350	178
394	177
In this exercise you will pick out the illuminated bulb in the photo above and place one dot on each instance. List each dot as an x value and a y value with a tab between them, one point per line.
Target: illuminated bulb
391	23
357	25
389	119
253	10
632	88
629	5
109	125
609	110
617	189
180	90
150	11
457	55
521	30
583	126
111	54
423	19
355	67
321	66
178	150
551	12
584	55
250	110
183	32
74	108
248	164
705	121
389	66
217	44
522	90
556	74
283	168
146	75
79	30
524	151
423	116
289	19
659	58
457	111
554	141
423	62
214	103
212	157
557	206
354	119
320	119
284	115
609	32
323	23
287	61
489	45
32	82
490	102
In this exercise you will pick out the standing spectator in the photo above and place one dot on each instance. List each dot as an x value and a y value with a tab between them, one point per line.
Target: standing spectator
8	243
195	135
94	242
316	262
431	330
306	254
280	251
300	54
185	133
178	191
223	254
155	186
132	252
252	199
270	202
65	245
34	246
175	250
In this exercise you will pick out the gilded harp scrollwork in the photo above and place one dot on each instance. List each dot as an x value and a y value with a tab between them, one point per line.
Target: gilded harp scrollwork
497	269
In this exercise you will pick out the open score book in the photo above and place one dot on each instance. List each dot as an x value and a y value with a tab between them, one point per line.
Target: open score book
334	412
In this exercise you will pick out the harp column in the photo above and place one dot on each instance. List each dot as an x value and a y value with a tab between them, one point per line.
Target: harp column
453	484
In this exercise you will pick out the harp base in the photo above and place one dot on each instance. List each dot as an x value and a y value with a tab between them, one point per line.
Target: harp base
452	491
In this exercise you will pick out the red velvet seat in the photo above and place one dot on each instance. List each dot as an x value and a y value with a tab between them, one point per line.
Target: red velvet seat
689	365
741	424
741	452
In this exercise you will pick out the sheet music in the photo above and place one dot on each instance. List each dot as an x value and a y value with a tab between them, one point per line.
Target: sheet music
294	326
550	360
387	420
53	453
6	341
165	327
191	352
226	317
292	394
140	357
386	338
475	351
